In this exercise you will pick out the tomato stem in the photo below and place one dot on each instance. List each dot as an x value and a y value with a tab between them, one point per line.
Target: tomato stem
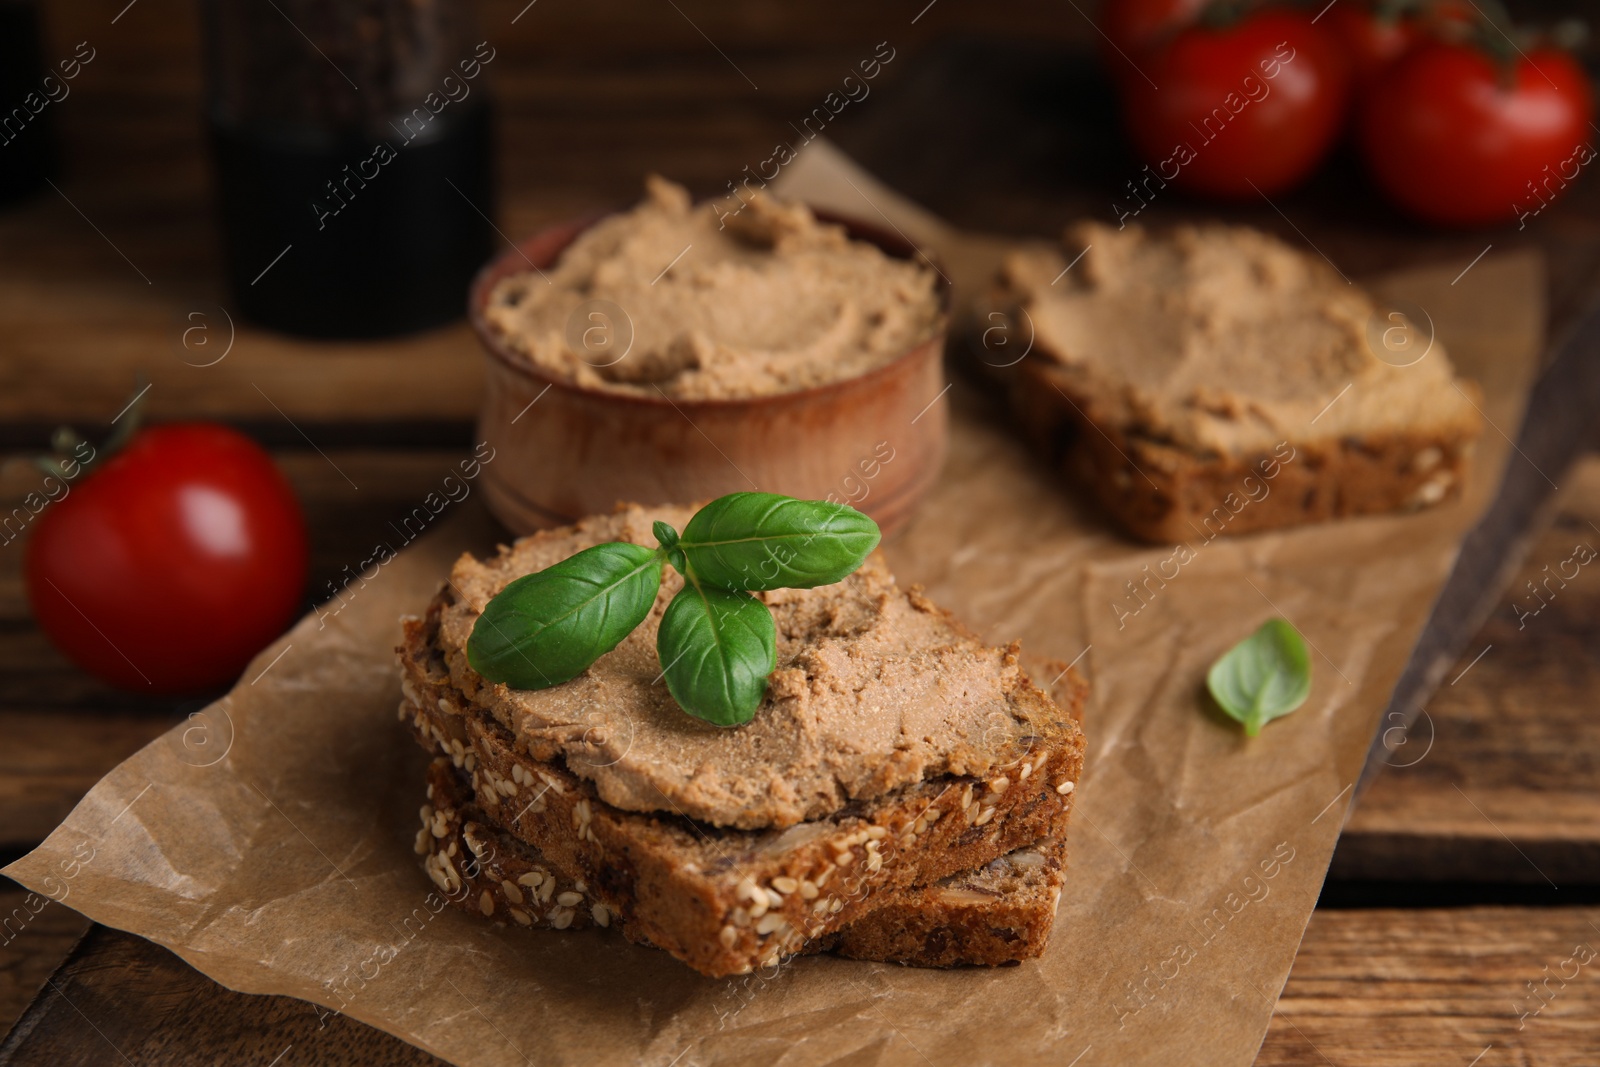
66	441
1221	14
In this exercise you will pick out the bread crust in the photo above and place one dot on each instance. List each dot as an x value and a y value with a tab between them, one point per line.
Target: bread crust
1166	494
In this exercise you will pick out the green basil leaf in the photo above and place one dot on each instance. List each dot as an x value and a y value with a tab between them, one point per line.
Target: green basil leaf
547	628
766	541
717	648
1263	677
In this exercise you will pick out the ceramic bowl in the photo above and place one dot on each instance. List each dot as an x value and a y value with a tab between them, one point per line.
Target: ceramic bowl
563	451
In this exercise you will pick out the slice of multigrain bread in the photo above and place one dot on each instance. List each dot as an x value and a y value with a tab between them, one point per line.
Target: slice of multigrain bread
999	914
1213	381
893	750
726	900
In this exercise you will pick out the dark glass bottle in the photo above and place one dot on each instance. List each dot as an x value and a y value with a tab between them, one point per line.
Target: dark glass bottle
27	104
352	147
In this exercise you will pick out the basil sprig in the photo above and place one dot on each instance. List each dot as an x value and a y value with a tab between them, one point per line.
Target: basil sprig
1263	677
765	541
717	643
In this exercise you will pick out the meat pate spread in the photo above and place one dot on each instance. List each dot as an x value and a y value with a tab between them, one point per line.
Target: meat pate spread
1224	340
875	689
703	302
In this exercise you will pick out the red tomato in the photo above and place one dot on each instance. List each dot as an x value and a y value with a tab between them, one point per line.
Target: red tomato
1134	27
1460	140
1252	107
1371	41
167	568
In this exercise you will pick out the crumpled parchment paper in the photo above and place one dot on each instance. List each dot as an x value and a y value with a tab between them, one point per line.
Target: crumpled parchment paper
268	841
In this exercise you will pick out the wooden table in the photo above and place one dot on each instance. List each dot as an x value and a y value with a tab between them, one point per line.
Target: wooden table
1470	869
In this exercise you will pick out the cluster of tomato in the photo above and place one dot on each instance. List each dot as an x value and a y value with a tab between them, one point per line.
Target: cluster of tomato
1461	121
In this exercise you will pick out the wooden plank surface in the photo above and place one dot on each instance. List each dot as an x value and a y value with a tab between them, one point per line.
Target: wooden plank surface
123	1000
1517	735
1388	987
35	937
96	281
1370	988
1499	780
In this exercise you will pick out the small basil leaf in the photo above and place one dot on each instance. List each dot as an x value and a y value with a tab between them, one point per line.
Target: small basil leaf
665	534
547	628
1263	677
717	648
766	541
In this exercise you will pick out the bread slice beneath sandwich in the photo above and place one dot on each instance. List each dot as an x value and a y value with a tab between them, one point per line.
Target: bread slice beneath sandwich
894	749
999	914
